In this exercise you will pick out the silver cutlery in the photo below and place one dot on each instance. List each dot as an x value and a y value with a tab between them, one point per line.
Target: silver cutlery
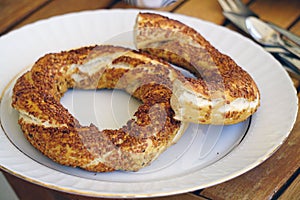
237	13
290	60
286	33
290	64
266	35
238	8
240	22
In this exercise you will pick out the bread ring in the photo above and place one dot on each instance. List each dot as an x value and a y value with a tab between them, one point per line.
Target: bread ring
222	93
50	128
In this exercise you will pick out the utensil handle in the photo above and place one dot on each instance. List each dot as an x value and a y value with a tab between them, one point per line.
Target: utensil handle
286	33
291	47
293	50
291	64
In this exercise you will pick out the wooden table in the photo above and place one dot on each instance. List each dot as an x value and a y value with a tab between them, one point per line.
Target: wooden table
277	177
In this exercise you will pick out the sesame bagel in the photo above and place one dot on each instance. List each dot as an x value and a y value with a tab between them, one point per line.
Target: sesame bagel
221	93
51	129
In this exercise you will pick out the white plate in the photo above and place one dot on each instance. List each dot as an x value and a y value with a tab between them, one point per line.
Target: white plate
195	162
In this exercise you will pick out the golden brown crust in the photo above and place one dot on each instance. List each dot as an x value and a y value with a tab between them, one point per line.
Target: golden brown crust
165	93
218	76
49	127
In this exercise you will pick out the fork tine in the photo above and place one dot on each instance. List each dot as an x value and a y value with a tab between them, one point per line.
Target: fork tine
237	7
234	7
243	9
240	4
224	5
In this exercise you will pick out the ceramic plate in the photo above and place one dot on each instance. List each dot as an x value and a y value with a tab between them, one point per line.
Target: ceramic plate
206	155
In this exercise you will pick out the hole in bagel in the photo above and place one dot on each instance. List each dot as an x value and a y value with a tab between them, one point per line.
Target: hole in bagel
105	108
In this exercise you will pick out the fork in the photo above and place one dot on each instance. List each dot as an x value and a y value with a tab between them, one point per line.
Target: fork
239	8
